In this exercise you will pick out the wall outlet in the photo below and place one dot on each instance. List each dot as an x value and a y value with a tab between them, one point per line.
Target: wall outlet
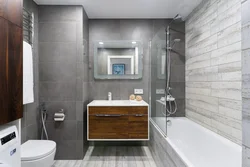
138	91
160	91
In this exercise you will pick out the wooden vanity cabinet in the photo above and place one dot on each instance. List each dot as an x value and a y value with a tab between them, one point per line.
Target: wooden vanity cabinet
118	123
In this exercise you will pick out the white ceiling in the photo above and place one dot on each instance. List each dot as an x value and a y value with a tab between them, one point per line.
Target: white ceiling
105	9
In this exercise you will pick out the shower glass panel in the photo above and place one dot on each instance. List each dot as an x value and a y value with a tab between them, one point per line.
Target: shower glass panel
168	73
158	79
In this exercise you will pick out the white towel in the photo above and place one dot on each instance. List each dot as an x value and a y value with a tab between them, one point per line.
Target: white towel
28	82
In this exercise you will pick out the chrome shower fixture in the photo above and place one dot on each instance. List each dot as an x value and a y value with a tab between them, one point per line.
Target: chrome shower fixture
170	99
175	41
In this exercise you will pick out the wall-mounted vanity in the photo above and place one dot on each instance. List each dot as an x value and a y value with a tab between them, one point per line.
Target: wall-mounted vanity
117	120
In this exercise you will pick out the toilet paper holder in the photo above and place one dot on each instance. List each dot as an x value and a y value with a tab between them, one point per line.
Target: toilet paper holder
59	116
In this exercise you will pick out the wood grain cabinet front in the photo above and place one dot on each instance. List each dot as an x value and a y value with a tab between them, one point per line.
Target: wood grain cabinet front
111	123
138	126
12	10
108	126
11	67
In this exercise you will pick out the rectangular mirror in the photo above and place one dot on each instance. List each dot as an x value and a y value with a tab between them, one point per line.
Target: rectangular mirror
118	60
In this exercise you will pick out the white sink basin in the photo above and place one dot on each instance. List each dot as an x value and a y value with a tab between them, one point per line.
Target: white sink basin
117	103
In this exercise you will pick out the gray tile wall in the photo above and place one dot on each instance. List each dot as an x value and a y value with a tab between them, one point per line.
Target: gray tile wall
246	82
30	121
143	30
213	67
119	30
177	80
63	70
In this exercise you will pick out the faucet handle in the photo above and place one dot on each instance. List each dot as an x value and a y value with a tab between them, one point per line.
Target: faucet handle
109	96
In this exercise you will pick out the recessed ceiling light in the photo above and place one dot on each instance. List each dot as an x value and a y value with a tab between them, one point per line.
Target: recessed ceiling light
101	43
133	42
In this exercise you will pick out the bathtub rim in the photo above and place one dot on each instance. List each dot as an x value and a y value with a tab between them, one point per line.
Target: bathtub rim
182	156
174	148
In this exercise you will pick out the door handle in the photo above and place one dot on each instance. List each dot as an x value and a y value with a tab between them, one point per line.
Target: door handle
139	115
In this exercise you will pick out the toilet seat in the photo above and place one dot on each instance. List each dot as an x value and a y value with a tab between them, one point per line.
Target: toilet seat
37	149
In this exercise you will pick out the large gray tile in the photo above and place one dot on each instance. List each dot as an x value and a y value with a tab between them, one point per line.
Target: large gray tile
60	13
104	30
23	120
136	30
80	130
32	114
79	110
57	32
100	89
49	51
178	89
82	71
61	131
82	90
177	73
66	150
159	25
85	26
32	132
81	149
57	52
57	72
57	91
23	135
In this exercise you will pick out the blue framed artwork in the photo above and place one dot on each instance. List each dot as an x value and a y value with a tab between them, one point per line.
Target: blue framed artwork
118	69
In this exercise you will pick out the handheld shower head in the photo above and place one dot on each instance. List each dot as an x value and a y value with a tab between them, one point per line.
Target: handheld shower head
175	41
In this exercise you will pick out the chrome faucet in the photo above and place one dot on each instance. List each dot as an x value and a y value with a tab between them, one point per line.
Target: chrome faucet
109	96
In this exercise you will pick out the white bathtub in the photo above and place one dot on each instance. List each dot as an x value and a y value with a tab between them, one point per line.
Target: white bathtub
198	146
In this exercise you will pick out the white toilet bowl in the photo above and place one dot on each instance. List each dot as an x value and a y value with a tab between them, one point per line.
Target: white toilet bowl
38	153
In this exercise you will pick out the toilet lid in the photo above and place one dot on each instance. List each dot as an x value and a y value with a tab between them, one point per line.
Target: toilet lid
36	149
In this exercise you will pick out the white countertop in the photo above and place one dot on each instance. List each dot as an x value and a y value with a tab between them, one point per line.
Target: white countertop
117	103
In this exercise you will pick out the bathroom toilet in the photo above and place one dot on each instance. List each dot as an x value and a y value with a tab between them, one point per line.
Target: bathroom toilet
38	153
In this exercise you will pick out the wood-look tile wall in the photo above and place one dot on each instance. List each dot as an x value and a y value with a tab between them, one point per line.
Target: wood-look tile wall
246	82
213	67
